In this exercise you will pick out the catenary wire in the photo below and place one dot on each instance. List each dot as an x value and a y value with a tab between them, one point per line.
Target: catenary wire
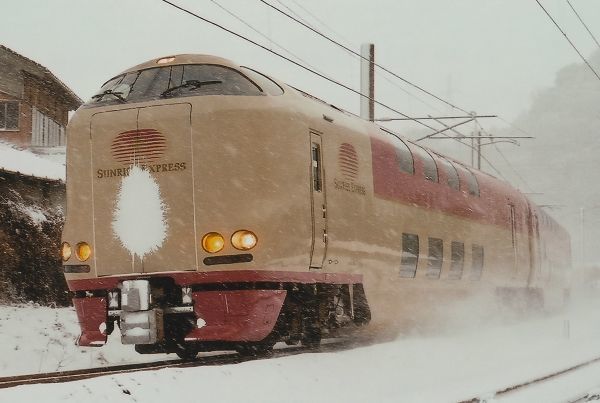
361	56
240	19
569	40
516	171
583	23
316	73
293	62
386	78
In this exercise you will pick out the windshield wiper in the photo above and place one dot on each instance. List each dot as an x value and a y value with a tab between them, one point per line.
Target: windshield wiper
118	95
191	84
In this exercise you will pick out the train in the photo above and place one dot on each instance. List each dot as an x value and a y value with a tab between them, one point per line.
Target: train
212	207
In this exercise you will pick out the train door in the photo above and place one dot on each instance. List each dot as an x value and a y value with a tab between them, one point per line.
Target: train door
319	204
144	224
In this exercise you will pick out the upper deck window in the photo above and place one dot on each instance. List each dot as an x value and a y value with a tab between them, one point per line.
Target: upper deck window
404	157
451	174
472	184
175	81
429	165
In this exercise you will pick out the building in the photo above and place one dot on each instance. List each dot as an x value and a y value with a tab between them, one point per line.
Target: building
34	103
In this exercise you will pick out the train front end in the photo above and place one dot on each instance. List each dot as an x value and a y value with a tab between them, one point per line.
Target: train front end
178	227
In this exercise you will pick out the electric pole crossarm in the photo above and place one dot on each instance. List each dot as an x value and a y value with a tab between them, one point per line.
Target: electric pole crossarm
445	129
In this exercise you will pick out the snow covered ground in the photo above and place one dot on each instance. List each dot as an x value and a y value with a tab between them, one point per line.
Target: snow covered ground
465	363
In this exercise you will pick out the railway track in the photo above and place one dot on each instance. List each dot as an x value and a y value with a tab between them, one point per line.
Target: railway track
536	381
220	359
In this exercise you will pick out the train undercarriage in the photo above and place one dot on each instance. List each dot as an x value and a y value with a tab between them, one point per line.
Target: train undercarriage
159	315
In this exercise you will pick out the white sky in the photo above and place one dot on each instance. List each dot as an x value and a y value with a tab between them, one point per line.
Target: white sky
489	56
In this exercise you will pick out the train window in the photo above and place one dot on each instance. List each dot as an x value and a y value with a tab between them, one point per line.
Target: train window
410	255
265	83
457	262
435	258
477	262
404	157
176	81
227	81
429	165
149	84
472	184
451	173
316	168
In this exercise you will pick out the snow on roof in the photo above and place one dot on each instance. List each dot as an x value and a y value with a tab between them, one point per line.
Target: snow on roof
27	163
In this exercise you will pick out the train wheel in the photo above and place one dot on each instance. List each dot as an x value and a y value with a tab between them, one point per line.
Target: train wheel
311	334
186	351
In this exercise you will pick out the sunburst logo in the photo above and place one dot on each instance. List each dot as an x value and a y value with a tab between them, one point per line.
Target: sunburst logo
140	146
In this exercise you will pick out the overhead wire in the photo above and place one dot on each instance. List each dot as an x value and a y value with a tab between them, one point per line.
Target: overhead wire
506	159
569	40
296	63
240	19
583	23
393	83
321	75
316	31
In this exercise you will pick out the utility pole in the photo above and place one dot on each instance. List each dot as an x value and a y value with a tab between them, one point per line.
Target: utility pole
367	81
476	143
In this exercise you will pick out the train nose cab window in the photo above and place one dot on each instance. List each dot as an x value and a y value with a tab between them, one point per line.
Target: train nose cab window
175	81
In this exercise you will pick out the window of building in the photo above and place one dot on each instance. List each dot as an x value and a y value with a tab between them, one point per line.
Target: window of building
410	255
457	262
477	262
9	115
429	165
451	173
404	157
435	258
45	132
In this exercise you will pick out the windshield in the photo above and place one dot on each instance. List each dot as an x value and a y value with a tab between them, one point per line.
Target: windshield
175	81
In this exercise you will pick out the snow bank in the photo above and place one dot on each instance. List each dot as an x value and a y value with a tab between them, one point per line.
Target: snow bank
140	216
28	163
441	368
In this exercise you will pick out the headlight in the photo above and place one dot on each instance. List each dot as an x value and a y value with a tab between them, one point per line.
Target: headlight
65	251
83	251
243	240
213	242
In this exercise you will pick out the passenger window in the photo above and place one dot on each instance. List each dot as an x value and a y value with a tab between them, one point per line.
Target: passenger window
451	173
457	263
477	262
410	255
404	157
429	165
436	257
